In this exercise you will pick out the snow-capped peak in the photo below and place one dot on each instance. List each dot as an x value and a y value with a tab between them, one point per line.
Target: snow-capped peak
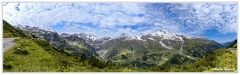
36	29
167	35
137	37
81	35
89	36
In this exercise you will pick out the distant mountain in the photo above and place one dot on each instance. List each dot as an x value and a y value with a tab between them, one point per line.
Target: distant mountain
88	38
143	51
226	44
233	44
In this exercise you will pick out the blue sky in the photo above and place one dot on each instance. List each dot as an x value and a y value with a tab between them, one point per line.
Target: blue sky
215	21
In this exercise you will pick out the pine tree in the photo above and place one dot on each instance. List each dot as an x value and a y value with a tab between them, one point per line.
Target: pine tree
83	57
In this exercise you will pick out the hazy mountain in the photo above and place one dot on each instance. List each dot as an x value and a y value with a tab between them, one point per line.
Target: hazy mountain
233	44
87	37
226	44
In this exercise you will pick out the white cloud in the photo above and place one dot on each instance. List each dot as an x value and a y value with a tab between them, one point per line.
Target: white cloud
219	16
110	18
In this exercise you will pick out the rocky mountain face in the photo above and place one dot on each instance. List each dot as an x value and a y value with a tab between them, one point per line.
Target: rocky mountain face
87	37
90	39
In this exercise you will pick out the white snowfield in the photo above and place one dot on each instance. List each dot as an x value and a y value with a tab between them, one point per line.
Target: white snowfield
164	36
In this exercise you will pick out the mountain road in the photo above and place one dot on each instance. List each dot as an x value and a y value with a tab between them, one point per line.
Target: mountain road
8	43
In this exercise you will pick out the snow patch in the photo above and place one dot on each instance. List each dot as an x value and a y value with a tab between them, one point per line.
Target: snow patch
181	46
91	37
150	38
137	38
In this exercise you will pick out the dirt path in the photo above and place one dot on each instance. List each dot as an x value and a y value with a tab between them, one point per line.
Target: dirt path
8	43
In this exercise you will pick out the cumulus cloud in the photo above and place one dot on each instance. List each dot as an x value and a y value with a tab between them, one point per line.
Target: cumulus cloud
112	19
196	18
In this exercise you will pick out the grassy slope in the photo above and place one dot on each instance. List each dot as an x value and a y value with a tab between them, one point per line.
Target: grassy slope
36	60
42	57
219	59
10	31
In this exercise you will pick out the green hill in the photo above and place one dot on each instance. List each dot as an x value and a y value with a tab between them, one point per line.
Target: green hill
221	60
10	31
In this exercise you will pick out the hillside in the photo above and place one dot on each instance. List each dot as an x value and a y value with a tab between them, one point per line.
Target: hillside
221	60
10	31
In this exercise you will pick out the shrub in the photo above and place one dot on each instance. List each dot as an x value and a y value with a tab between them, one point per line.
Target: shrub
7	66
21	52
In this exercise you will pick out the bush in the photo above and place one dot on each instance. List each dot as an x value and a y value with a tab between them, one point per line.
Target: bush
21	52
7	66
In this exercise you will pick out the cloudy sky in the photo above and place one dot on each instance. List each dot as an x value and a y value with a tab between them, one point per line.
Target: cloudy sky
215	21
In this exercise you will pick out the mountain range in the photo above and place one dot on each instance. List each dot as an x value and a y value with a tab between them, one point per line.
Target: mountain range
142	51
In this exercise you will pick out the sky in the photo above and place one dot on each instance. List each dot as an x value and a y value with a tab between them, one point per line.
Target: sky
215	21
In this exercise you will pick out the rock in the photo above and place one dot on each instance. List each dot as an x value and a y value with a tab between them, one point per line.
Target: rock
18	49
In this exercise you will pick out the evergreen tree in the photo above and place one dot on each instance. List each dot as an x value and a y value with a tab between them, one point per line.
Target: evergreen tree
83	57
